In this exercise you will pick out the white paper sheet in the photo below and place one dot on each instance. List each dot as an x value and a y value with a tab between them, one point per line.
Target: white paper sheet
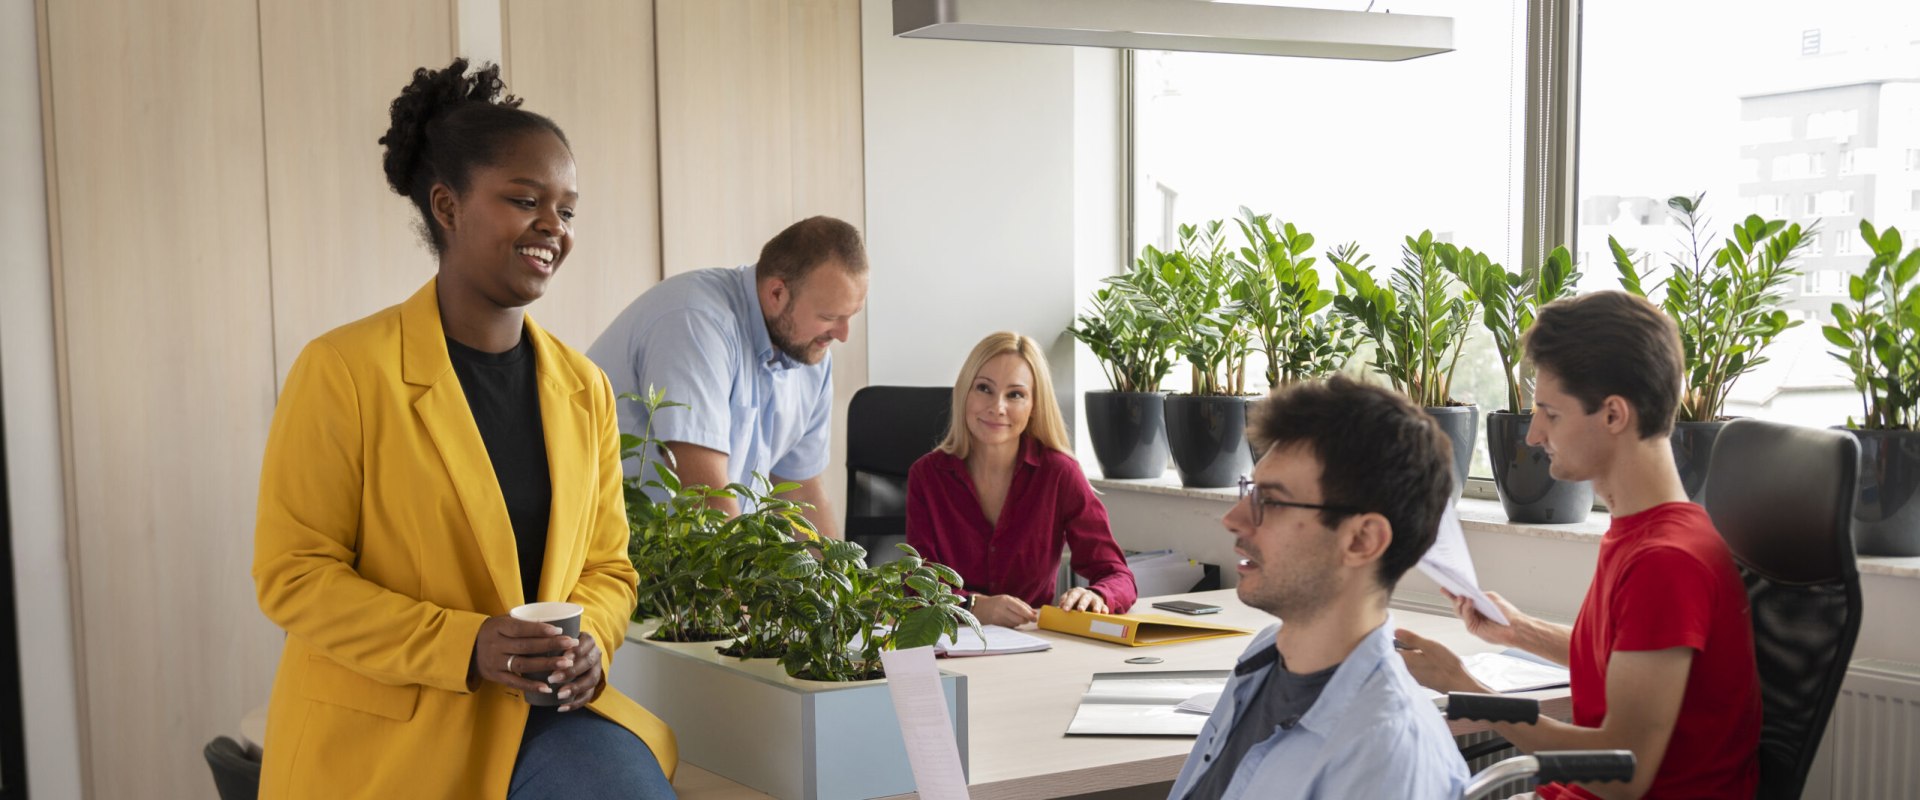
918	701
1449	564
1505	673
1199	703
1000	640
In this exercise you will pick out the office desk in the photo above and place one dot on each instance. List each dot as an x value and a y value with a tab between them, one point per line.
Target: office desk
1019	707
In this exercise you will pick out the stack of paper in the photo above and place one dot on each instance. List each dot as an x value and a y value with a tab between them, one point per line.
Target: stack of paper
1449	564
1503	672
1145	703
999	641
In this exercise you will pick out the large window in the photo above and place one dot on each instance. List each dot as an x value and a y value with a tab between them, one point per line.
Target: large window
1796	111
1349	151
1666	109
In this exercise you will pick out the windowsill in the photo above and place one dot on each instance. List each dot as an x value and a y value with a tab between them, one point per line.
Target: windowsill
1476	516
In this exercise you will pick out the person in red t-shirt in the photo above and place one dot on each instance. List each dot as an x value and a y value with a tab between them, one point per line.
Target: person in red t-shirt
1000	496
1661	654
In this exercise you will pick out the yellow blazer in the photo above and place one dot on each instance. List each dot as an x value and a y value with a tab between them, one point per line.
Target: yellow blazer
382	543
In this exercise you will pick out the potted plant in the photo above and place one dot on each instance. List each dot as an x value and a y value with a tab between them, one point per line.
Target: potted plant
1878	333
1417	324
1193	291
1127	423
1508	302
789	700
1726	302
1282	301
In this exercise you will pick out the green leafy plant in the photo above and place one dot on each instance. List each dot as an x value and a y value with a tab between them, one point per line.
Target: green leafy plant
1878	333
1417	322
1133	344
1508	302
766	580
849	613
1725	300
1192	290
1281	299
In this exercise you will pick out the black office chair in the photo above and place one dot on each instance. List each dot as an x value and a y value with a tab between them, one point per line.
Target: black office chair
888	428
235	775
1782	496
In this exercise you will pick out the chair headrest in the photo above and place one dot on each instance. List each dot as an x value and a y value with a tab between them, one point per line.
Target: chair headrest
1782	496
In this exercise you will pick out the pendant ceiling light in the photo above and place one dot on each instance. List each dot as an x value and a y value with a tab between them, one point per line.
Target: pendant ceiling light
1192	25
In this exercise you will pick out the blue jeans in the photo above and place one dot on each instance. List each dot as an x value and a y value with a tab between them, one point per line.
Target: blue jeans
582	754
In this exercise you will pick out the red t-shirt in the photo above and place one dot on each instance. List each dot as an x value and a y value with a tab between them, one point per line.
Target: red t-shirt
1665	579
1050	505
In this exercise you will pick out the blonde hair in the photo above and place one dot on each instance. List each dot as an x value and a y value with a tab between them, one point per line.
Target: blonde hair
1043	424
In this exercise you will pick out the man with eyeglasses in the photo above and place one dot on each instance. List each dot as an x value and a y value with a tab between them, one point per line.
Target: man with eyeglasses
1346	498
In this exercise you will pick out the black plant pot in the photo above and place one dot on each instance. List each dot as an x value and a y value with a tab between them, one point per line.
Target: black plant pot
1521	474
1886	508
1207	436
1692	454
1461	424
1129	432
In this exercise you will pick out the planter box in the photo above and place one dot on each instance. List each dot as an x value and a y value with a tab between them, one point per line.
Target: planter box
793	739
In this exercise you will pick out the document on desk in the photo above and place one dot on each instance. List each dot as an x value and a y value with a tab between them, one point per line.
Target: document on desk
1509	672
1449	564
1132	630
1145	703
920	705
999	640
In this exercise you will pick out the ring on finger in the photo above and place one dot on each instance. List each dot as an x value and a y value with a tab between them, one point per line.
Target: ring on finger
509	663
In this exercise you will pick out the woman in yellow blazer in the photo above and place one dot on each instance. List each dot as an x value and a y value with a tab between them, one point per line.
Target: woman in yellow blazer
404	506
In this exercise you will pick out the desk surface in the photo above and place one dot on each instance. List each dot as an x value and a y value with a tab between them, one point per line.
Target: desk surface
1019	707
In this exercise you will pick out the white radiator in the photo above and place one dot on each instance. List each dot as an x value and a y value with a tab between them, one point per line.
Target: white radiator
1873	740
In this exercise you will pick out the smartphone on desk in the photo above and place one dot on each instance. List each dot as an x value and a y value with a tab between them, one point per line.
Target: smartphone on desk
1187	607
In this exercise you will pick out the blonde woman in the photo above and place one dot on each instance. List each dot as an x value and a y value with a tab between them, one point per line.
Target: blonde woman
1001	495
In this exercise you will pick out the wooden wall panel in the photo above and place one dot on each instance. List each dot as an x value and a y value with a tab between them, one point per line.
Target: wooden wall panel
167	361
760	126
726	130
588	64
343	244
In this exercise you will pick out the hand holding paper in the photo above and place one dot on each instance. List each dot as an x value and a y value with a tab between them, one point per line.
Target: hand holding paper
1449	564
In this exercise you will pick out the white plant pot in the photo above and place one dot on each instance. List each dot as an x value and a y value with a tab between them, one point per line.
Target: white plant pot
747	721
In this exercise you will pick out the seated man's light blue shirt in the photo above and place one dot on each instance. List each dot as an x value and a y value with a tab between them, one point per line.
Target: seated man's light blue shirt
1372	734
701	338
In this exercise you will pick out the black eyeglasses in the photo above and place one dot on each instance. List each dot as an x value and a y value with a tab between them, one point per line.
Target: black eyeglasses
1260	503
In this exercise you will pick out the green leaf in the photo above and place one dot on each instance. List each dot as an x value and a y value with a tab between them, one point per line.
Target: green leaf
919	628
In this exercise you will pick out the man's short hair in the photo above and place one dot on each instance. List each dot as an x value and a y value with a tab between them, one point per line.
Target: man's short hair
1378	452
796	252
1611	343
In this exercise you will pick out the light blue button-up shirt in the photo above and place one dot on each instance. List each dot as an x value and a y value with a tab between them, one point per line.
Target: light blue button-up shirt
1371	734
701	337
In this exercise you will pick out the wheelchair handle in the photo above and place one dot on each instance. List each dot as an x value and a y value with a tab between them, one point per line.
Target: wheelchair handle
1492	708
1565	766
1590	766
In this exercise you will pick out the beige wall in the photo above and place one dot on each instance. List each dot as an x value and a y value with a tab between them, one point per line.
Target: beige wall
216	201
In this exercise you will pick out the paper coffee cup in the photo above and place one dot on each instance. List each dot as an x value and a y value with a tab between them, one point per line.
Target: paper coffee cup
566	617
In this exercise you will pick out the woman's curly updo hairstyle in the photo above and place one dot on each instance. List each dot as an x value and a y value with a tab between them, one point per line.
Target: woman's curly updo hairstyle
444	124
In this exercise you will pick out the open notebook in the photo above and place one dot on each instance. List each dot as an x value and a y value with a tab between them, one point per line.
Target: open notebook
1144	703
999	640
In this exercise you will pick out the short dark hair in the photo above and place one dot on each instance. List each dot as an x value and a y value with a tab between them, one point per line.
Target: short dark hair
794	253
1611	343
443	125
1378	453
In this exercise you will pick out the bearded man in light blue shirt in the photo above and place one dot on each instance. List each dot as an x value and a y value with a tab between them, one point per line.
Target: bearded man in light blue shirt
746	349
1346	499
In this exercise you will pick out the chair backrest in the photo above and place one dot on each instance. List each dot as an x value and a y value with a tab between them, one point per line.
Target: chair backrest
888	428
235	776
1782	496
